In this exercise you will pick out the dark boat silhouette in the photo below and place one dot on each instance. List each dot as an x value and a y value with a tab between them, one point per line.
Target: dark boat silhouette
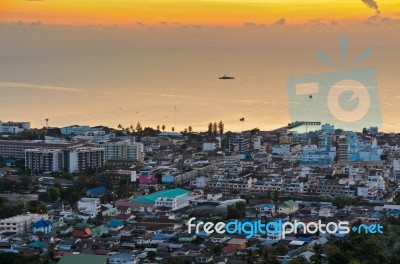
226	77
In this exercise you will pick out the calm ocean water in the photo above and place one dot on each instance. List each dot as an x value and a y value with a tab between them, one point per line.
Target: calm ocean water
114	87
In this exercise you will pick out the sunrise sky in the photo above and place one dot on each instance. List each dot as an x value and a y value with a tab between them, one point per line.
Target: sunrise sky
192	12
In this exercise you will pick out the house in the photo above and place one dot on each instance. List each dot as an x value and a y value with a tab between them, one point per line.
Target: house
327	211
65	230
288	207
204	258
320	241
82	232
266	209
83	258
68	244
237	243
96	192
42	225
214	196
123	257
187	238
99	230
115	225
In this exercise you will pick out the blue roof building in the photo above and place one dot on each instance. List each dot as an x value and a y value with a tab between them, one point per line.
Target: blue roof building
42	225
97	191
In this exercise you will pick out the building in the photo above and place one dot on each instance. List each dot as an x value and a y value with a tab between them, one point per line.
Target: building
257	143
122	258
327	128
42	225
89	206
210	145
16	148
81	130
83	258
123	149
158	199
44	160
13	127
239	144
20	223
84	158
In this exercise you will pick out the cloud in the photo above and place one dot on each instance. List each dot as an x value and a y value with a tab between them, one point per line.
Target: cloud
280	22
334	23
38	86
139	23
253	25
372	4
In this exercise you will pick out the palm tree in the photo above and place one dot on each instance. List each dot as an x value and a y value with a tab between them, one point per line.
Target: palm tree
120	126
163	127
158	127
173	129
190	129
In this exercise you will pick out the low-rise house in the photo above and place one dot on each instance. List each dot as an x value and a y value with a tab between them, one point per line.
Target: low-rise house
42	225
83	258
99	230
327	211
115	225
288	207
122	258
266	209
96	192
82	232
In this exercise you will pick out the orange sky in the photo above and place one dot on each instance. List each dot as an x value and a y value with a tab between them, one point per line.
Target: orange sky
203	12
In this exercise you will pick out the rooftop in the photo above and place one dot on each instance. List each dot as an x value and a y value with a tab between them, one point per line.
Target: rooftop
151	198
83	258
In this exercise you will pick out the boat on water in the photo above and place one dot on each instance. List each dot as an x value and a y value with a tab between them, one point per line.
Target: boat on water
226	77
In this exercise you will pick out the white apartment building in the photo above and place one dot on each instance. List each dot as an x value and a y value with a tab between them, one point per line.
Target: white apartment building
377	181
396	170
80	159
89	206
123	149
174	203
13	127
20	223
257	143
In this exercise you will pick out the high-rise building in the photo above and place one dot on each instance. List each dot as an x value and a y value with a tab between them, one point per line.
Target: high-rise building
83	158
239	143
44	160
123	149
16	148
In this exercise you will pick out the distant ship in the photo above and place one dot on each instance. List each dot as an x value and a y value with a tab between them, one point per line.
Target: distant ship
226	77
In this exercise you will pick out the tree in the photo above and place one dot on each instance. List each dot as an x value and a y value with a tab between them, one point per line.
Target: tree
152	255
221	127
275	196
210	127
190	129
119	126
217	250
54	193
173	129
158	127
215	128
300	259
175	260
139	127
163	127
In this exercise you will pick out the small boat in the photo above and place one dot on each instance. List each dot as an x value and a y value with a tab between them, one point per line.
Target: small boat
226	77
